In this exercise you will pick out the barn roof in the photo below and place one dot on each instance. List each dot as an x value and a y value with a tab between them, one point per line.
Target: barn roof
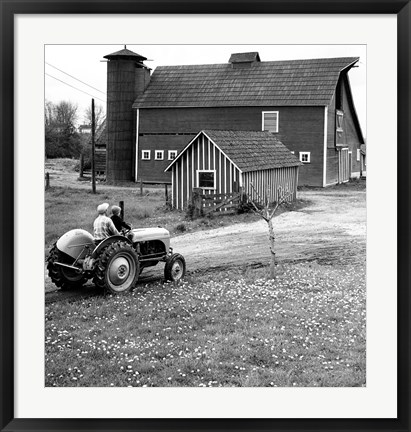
249	150
272	83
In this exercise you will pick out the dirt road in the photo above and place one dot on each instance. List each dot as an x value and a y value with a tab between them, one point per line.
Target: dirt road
331	230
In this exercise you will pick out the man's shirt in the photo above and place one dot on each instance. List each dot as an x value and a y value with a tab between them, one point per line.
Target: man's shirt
104	227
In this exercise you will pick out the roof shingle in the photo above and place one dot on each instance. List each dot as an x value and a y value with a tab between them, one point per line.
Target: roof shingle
251	150
274	83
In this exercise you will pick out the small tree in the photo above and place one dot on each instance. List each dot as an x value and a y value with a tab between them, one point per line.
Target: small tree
267	212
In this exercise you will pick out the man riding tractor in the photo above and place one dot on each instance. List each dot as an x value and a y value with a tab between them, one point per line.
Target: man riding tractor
114	261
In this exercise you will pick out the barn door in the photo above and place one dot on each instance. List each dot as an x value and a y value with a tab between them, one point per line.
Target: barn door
344	171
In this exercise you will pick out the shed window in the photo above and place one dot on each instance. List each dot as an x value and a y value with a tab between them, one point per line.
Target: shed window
305	157
146	154
270	121
159	155
172	154
206	179
358	155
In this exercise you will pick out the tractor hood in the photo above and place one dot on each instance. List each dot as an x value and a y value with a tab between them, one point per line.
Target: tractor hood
74	243
147	234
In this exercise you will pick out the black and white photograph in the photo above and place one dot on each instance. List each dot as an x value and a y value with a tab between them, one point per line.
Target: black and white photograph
205	215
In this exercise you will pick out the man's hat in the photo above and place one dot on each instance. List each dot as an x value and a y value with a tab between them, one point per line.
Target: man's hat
102	208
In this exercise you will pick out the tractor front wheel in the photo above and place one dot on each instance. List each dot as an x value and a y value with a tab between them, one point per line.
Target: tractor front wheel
63	277
118	268
175	268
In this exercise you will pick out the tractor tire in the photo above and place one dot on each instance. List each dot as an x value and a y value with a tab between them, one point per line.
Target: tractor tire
117	269
175	268
63	278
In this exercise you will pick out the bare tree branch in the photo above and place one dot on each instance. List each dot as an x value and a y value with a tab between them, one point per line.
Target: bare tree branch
256	192
267	214
98	115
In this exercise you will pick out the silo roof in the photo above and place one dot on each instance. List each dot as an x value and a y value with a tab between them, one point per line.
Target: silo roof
126	54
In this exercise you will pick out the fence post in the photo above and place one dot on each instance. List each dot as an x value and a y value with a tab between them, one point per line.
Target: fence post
196	201
166	192
242	199
81	165
121	205
141	187
47	180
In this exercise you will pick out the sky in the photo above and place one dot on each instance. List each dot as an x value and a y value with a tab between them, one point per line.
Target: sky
77	73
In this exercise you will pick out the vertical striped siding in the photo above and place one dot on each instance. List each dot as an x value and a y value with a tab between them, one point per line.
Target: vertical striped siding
173	182
188	177
175	186
203	155
271	179
219	173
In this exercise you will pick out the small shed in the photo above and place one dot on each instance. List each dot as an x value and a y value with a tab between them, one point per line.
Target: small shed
222	162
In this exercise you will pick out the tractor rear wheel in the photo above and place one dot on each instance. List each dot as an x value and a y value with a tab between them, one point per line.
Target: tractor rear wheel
63	277
175	268
118	268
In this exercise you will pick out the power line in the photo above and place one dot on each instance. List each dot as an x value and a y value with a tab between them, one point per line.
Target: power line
74	78
95	97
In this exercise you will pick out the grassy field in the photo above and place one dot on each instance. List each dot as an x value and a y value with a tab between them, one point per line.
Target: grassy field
306	328
232	328
68	208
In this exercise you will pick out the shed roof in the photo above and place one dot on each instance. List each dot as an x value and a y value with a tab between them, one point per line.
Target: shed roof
273	83
249	150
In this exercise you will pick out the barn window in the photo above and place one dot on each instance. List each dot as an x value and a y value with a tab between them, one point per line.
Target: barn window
358	155
305	157
339	120
270	121
339	126
159	155
146	154
172	154
206	179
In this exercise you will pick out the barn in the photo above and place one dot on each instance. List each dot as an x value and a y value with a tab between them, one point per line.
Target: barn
306	104
222	162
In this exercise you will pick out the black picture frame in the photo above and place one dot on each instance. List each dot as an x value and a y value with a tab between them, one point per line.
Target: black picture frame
9	8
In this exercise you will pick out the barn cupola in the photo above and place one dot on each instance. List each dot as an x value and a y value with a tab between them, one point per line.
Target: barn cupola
244	60
127	78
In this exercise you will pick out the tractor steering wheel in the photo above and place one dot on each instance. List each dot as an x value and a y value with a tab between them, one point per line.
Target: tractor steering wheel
125	231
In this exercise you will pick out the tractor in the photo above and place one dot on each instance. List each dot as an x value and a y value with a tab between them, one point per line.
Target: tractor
115	263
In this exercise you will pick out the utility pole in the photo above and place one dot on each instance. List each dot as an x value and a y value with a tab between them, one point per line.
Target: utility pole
93	145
